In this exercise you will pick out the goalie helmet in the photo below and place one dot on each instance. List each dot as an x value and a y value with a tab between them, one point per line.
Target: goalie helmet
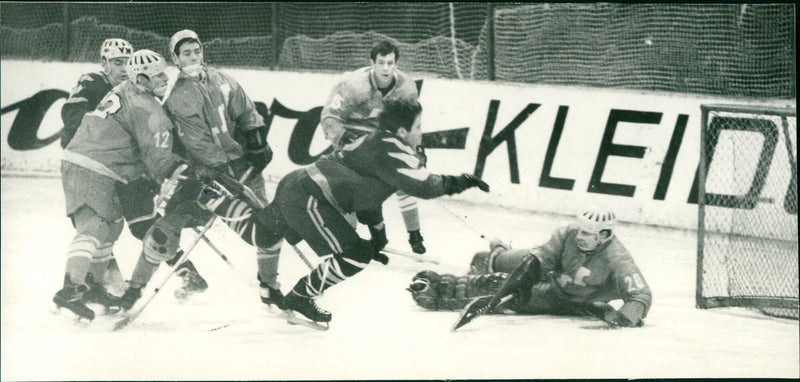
596	219
145	62
114	48
178	37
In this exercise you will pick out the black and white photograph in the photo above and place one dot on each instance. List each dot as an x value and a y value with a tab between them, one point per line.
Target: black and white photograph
398	191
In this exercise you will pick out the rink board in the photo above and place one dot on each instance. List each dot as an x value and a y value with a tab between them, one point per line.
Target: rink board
541	148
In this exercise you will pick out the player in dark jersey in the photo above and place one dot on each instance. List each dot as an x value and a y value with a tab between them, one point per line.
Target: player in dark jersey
577	271
322	202
352	110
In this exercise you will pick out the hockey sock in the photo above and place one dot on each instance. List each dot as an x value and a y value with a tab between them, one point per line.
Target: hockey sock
409	210
331	271
268	265
79	257
142	273
100	261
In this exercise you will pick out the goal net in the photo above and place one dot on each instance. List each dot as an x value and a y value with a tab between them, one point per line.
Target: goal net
747	217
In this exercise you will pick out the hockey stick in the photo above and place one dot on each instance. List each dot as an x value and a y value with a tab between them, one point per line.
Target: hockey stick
222	255
302	256
134	313
420	258
249	197
464	222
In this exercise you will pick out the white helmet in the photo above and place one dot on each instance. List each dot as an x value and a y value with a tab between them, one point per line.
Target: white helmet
114	48
180	36
596	219
145	62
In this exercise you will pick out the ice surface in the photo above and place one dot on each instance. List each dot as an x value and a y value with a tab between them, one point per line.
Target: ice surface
377	331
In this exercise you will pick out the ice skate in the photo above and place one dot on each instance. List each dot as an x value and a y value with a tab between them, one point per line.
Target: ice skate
113	280
304	311
97	294
70	297
478	307
128	300
272	297
192	281
415	240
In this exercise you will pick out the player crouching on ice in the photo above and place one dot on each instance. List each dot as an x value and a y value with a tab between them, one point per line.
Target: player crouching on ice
576	272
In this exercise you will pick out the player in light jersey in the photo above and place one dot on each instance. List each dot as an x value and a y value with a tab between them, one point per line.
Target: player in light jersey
577	271
219	127
352	110
126	136
137	196
91	88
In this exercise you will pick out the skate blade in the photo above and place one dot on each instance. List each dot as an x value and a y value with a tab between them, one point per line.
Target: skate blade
275	311
67	316
102	310
295	319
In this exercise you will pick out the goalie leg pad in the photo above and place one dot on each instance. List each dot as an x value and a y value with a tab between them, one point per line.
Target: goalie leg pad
448	292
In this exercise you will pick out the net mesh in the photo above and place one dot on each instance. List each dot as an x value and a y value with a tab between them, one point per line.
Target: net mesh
731	49
728	49
749	249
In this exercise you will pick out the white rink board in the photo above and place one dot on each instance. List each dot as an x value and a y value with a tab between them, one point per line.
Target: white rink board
450	104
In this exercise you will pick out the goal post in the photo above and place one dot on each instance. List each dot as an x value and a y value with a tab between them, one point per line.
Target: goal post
747	209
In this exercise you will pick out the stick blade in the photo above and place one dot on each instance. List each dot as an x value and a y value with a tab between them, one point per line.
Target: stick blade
121	324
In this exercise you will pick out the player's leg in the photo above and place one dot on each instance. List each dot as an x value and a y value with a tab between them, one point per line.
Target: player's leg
261	229
327	232
93	210
410	212
267	254
159	245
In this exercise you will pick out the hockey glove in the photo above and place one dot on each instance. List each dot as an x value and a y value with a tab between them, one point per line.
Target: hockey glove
257	151
378	241
629	315
457	184
415	239
181	186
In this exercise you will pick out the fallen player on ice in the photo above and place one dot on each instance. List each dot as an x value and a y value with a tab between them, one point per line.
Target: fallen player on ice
576	272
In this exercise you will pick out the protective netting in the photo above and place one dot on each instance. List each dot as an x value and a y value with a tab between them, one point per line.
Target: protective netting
728	49
708	48
748	252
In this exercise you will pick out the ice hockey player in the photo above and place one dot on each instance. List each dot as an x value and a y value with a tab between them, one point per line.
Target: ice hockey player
127	135
352	110
577	271
323	202
91	88
137	196
220	129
